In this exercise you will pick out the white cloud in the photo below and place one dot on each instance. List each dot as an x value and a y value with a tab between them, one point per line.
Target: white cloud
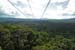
38	7
6	6
57	1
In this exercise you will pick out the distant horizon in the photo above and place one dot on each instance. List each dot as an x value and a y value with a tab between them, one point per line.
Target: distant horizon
36	18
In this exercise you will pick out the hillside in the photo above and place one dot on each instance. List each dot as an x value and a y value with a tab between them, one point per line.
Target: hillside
36	34
42	24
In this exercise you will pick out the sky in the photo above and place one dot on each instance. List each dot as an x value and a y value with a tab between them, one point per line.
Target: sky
57	9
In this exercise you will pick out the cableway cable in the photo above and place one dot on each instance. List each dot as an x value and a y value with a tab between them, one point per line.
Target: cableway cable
30	8
45	8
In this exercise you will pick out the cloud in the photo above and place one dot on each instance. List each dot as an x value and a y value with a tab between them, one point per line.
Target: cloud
19	3
7	7
55	4
69	14
58	9
3	14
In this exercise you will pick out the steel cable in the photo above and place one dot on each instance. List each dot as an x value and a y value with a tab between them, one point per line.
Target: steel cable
45	8
16	8
20	10
30	8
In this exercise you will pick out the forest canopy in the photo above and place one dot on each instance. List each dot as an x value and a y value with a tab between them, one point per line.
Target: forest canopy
17	37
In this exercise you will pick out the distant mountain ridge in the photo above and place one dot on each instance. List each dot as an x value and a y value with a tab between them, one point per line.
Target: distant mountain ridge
51	20
42	24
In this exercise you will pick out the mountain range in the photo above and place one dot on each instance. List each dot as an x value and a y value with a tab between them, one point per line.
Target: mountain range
42	24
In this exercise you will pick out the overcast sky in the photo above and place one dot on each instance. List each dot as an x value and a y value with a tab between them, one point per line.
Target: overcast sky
57	9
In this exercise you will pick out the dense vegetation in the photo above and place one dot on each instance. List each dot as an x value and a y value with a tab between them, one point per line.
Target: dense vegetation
37	36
